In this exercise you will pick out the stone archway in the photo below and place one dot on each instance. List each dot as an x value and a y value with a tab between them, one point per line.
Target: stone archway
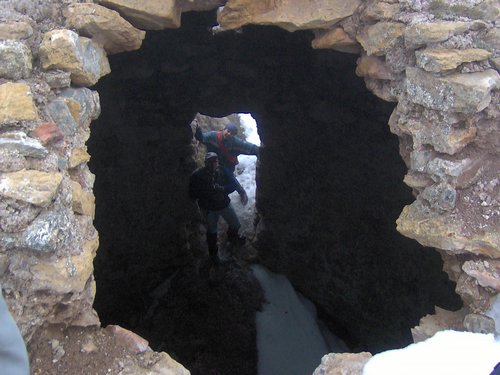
452	167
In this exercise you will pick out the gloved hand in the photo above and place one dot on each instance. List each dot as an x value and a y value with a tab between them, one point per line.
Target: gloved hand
243	197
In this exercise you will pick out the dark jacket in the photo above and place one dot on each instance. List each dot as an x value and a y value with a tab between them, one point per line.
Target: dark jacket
209	188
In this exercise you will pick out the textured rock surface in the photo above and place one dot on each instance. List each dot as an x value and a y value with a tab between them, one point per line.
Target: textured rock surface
84	59
105	27
446	231
199	5
15	29
16	103
151	15
336	39
15	60
380	38
381	10
88	108
48	132
69	276
20	143
486	272
342	364
373	67
424	33
438	60
285	13
129	339
78	156
83	201
446	134
35	187
470	92
440	321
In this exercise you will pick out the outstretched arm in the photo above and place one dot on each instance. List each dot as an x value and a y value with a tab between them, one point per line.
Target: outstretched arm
198	134
243	147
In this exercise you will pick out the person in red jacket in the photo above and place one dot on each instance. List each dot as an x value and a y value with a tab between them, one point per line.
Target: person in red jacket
228	146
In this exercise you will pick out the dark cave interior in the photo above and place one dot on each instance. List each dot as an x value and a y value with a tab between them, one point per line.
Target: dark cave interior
329	191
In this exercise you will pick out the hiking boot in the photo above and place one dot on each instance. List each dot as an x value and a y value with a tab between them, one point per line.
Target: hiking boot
213	249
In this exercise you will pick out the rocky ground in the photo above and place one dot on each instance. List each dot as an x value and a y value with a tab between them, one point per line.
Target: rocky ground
204	318
89	351
207	319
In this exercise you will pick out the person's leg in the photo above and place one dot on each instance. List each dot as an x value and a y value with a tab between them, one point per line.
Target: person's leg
13	355
212	218
234	225
234	184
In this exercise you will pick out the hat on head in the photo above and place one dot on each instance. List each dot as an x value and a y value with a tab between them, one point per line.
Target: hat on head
210	156
233	129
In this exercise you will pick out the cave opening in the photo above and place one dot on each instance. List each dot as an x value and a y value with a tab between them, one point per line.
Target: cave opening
329	191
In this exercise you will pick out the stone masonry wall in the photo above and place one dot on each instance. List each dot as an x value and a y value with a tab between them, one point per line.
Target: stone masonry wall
441	65
47	238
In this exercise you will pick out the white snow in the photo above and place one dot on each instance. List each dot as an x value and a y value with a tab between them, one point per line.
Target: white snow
245	173
290	339
447	352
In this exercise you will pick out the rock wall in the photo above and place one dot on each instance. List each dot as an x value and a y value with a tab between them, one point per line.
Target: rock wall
447	107
437	60
47	240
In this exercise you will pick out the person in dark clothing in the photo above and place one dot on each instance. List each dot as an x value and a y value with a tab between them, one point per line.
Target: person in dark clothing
210	188
228	146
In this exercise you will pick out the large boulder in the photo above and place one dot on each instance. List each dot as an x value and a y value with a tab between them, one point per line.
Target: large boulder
446	231
104	26
148	15
457	92
84	59
286	14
